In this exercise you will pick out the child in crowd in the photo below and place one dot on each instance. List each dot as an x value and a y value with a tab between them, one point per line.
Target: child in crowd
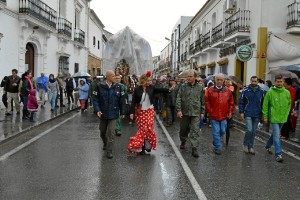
32	105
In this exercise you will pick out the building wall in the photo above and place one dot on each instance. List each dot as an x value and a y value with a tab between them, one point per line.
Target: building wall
48	44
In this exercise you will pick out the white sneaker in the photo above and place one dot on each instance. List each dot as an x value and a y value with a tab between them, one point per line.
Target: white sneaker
279	158
251	151
245	149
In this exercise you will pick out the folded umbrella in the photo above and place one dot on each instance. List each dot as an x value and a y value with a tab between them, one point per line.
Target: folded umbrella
81	75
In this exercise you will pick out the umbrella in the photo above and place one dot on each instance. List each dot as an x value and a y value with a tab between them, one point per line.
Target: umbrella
81	75
236	79
184	74
284	73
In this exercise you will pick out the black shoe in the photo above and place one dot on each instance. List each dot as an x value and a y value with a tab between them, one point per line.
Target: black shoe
104	146
217	151
118	133
62	106
56	106
195	152
142	152
182	145
8	113
18	112
109	155
69	103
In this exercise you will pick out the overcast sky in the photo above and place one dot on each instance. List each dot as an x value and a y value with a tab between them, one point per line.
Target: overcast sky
151	19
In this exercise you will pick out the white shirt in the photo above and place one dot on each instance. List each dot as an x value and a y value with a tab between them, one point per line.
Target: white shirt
145	102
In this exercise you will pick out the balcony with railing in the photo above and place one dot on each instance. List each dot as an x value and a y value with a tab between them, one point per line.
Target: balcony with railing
198	45
191	49
206	40
217	34
64	27
79	36
39	10
237	25
293	18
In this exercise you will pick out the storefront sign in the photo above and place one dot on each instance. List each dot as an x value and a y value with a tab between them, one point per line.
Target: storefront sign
244	53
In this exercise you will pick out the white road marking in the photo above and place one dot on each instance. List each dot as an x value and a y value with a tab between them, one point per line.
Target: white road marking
199	192
22	146
284	151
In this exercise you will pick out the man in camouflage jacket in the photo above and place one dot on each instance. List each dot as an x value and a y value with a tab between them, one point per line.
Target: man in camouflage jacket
190	106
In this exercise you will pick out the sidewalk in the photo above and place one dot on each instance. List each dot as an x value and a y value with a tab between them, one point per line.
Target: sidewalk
13	125
292	144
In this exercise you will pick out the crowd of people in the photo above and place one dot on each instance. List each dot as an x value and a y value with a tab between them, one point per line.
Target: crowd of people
196	101
22	90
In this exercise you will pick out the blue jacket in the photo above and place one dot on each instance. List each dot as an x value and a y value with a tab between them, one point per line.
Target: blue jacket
83	90
250	102
41	83
109	101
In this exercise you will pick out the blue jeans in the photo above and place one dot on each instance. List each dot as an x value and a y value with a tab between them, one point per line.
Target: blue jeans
218	129
25	100
251	123
52	98
275	138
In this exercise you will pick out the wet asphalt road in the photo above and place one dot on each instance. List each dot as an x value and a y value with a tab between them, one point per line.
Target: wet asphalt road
69	163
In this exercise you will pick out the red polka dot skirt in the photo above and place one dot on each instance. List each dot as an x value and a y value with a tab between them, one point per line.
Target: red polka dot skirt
145	124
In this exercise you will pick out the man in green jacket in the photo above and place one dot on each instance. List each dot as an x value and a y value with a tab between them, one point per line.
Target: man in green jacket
190	108
276	108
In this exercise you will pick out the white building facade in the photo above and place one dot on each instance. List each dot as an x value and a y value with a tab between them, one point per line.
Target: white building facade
220	27
44	36
96	41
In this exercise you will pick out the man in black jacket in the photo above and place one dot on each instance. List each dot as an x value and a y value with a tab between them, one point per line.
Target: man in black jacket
109	103
12	89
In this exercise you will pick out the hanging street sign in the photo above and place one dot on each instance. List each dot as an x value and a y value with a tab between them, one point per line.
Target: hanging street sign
244	53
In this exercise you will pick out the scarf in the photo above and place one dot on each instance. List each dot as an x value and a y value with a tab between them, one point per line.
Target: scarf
52	80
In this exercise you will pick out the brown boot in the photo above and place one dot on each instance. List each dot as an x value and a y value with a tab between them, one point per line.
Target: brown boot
195	152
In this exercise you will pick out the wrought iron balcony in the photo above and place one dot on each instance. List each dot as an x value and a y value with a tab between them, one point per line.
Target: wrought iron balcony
206	40
238	22
79	36
217	33
64	27
198	46
293	15
39	10
191	50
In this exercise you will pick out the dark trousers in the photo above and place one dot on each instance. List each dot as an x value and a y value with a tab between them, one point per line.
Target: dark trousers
157	105
170	114
60	96
189	126
70	96
285	130
107	132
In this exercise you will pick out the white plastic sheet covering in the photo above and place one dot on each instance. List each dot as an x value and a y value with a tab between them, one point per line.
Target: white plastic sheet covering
128	45
283	49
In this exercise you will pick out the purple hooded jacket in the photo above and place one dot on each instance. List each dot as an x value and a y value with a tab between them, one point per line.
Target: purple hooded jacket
32	104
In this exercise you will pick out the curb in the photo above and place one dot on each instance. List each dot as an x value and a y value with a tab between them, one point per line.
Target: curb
290	146
36	126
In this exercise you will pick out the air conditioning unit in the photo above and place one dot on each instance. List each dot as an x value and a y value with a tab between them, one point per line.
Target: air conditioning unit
230	6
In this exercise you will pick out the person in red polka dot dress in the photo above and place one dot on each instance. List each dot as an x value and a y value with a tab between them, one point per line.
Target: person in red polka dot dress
142	107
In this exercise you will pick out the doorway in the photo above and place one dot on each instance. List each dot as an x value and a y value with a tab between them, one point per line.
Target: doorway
29	57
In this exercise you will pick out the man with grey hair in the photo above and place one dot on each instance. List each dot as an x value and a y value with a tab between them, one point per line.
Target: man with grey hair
220	106
109	103
190	109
